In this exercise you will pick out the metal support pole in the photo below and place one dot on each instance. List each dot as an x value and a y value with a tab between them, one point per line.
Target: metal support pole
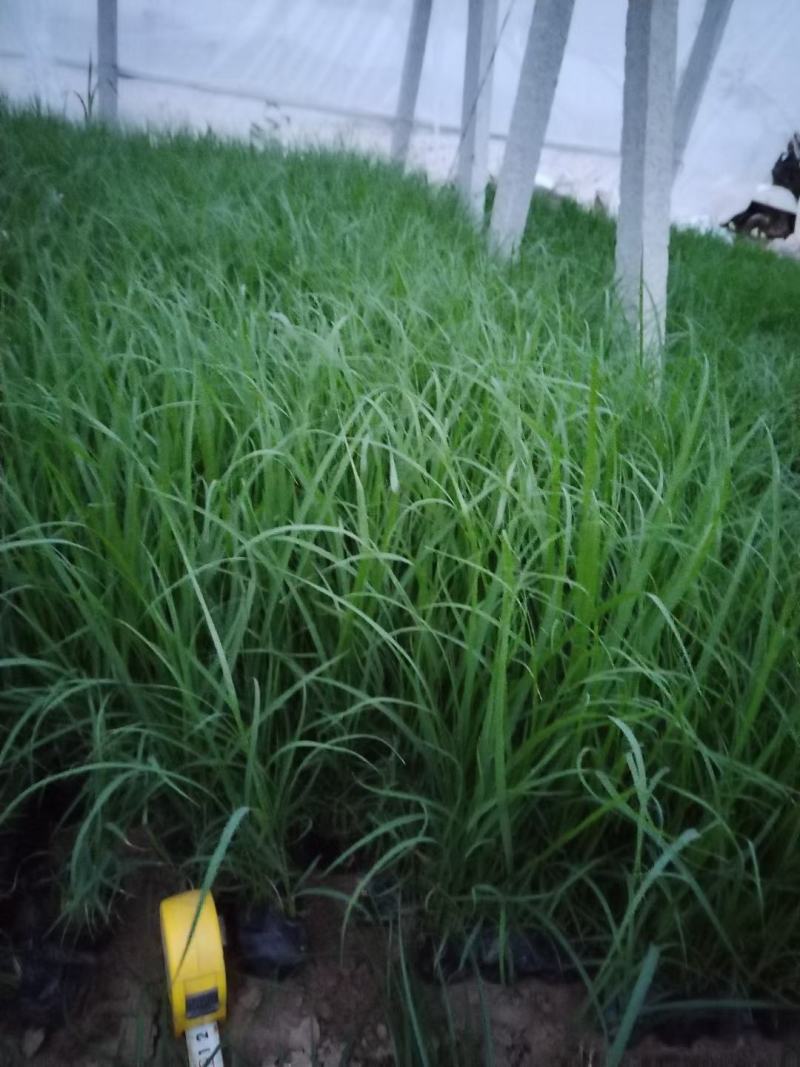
695	75
646	175
107	72
476	107
409	83
538	78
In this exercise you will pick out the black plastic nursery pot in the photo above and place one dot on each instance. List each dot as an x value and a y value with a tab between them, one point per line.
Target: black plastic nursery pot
497	958
679	1019
44	984
445	959
268	944
46	963
523	954
382	900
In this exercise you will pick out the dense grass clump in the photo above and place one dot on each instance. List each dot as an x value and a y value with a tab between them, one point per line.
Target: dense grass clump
311	506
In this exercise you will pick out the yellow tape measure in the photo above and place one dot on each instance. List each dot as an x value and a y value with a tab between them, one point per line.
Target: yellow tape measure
198	991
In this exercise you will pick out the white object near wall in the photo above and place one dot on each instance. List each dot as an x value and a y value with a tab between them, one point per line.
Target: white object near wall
541	65
646	172
473	151
695	75
107	70
410	79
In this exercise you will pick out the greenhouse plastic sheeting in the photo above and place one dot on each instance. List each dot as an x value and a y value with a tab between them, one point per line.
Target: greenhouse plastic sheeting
329	71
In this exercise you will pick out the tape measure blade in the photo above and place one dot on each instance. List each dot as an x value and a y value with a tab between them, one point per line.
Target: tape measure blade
202	1043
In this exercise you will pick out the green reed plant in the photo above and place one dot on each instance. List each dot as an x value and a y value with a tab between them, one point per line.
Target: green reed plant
311	506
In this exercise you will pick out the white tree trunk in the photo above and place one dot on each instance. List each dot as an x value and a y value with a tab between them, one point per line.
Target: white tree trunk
695	75
476	108
538	78
107	76
409	82
646	173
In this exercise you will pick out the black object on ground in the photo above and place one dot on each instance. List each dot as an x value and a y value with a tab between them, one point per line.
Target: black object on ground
270	945
768	220
762	219
43	984
43	972
786	171
778	1024
382	899
523	954
447	959
520	954
679	1019
683	1027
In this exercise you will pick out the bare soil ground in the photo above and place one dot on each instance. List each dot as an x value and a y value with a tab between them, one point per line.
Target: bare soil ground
334	1013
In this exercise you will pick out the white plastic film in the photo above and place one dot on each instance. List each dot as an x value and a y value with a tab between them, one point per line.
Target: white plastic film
329	71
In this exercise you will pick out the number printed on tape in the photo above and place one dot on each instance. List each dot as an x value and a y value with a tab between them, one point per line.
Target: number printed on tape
203	1045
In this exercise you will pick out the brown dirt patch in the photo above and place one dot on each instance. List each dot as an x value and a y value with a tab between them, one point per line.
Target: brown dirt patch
333	1013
